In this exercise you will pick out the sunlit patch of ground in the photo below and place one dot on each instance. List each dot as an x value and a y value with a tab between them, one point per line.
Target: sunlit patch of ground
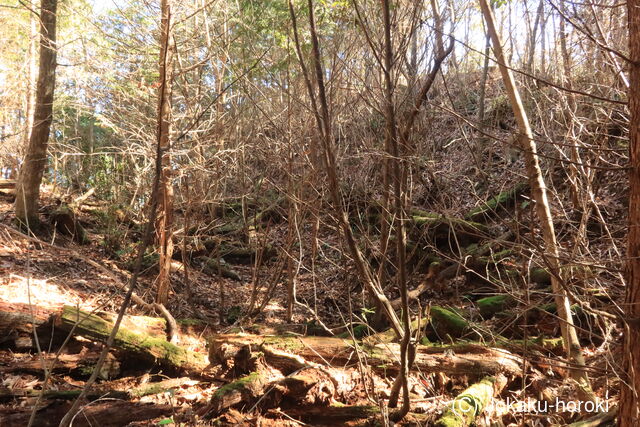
41	293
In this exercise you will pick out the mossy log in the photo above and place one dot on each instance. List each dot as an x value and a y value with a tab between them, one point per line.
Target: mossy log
497	203
246	389
389	335
66	222
213	266
490	306
443	227
470	403
238	254
466	359
446	322
152	349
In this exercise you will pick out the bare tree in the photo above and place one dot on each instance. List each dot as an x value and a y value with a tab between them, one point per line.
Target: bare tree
538	188
164	224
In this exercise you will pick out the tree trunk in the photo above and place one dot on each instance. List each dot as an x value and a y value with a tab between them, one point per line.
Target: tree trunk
164	224
629	400
539	193
30	177
33	75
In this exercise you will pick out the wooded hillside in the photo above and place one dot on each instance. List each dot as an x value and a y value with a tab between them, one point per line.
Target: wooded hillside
307	212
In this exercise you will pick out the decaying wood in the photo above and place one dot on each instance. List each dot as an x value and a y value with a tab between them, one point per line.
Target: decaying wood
334	414
153	349
146	389
14	323
461	359
439	274
213	266
64	363
111	413
470	403
246	389
8	188
66	222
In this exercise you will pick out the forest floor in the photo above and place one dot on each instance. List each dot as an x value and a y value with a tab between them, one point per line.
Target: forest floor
41	275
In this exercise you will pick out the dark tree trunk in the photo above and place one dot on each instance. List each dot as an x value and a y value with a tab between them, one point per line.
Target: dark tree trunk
164	225
629	401
30	177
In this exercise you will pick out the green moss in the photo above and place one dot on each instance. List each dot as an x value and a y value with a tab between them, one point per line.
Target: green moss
448	322
234	313
190	322
489	306
442	223
158	349
238	385
284	343
501	200
468	405
389	335
539	275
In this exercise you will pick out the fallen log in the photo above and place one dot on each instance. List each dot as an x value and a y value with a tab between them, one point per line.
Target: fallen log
112	413
7	184
470	403
117	281
74	364
239	254
14	325
331	415
153	349
100	392
438	273
213	266
246	389
453	360
497	203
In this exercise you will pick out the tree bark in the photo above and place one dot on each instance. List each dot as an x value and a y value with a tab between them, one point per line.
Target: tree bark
164	224
629	400
33	73
539	193
30	176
